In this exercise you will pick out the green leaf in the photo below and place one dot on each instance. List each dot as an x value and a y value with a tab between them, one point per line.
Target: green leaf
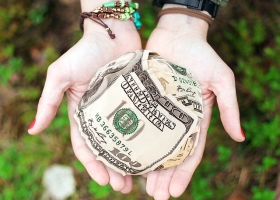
224	153
258	32
78	166
8	51
6	168
30	93
37	15
99	191
261	194
269	162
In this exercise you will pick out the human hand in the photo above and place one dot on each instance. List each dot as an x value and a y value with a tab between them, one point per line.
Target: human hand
71	73
182	40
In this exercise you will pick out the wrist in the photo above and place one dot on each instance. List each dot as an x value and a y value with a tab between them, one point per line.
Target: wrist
116	26
183	23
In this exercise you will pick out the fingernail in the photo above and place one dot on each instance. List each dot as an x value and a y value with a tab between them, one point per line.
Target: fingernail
242	132
32	124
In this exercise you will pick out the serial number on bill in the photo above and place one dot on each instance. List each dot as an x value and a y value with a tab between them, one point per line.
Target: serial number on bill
111	135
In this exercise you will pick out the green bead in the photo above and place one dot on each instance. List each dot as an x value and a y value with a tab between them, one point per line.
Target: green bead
127	16
131	10
122	16
122	3
109	4
126	9
133	5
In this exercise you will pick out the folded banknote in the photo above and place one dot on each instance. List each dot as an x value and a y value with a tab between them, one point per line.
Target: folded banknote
141	113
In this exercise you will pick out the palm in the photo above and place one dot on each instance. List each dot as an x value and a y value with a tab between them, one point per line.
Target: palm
71	73
97	57
216	79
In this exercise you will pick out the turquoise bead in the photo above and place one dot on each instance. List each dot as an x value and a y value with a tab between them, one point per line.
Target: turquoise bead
136	15
138	24
109	5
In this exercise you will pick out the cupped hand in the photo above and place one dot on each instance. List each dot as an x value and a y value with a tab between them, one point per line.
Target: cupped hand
182	40
71	73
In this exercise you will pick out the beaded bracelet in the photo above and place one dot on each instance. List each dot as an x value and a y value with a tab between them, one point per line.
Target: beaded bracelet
118	10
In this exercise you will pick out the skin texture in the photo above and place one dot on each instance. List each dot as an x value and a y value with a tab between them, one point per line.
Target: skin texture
182	40
71	74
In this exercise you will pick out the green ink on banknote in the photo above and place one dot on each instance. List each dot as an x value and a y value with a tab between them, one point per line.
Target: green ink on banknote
125	121
178	69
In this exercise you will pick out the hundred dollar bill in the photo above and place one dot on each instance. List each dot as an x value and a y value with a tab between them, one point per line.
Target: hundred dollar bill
181	84
186	150
128	119
176	80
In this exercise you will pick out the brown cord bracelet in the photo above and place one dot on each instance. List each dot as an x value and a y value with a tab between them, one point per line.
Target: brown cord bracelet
186	11
94	17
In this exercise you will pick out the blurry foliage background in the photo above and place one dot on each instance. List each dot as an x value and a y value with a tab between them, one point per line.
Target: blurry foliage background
246	34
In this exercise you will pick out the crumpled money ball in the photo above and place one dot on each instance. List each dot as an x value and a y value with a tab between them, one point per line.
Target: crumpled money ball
141	113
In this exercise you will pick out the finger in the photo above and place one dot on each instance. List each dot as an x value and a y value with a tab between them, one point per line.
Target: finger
128	185
55	86
228	105
161	191
117	181
151	182
144	175
183	173
95	168
174	181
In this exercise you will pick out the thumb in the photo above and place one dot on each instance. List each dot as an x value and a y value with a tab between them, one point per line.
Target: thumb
55	86
228	106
